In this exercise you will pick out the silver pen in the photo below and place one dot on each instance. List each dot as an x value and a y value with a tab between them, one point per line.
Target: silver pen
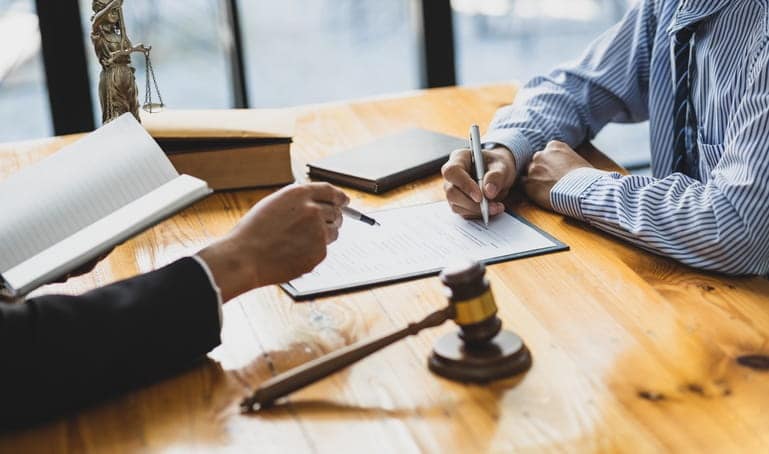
480	169
358	216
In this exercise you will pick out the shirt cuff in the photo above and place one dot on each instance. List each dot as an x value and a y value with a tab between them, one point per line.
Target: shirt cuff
514	141
218	291
568	192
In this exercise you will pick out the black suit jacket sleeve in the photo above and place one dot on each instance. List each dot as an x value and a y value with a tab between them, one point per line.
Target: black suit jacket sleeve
58	353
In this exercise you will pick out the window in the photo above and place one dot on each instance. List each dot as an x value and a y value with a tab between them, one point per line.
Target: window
503	40
299	51
24	109
187	55
518	39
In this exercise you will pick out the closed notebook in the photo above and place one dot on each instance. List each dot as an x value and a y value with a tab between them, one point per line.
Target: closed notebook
388	162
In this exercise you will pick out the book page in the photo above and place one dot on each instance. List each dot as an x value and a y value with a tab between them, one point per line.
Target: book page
87	243
44	203
245	124
416	240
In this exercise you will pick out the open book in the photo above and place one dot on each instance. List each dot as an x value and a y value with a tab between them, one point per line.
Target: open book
77	204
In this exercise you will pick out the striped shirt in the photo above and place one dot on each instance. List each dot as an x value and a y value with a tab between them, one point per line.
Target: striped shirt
717	222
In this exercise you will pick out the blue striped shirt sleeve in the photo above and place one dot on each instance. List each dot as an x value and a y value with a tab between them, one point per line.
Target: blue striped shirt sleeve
721	225
718	222
573	103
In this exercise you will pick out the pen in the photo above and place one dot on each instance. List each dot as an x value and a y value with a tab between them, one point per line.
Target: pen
480	170
358	216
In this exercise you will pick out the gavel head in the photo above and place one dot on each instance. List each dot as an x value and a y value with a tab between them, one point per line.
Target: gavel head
481	350
475	311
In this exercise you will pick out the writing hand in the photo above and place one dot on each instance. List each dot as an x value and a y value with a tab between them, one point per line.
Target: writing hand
462	191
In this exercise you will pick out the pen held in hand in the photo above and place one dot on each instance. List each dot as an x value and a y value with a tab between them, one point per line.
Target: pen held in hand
358	216
480	169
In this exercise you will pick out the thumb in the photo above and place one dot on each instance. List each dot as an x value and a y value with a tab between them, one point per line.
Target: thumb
495	180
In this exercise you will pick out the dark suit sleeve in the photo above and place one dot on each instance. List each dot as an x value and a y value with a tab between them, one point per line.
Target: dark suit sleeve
58	353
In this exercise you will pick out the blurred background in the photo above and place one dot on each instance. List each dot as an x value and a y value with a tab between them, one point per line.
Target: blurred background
258	53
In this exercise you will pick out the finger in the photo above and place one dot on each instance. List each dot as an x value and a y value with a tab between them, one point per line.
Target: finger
526	182
335	223
332	233
533	165
462	156
465	213
496	208
496	178
457	172
327	193
330	213
456	197
556	144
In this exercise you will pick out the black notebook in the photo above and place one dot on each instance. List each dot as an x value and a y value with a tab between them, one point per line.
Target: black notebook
388	162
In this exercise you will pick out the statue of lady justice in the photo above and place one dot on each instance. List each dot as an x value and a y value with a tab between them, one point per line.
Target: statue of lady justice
117	84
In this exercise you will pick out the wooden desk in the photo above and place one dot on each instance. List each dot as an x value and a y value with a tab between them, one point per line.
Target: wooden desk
631	351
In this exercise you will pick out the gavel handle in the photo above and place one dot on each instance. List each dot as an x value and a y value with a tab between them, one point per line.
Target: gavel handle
312	371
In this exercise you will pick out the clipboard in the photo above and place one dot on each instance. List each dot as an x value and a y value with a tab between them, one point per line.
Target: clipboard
557	246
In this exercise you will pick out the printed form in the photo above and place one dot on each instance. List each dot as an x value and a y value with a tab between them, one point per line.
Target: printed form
417	240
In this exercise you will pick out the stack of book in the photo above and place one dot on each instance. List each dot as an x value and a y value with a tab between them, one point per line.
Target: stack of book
229	149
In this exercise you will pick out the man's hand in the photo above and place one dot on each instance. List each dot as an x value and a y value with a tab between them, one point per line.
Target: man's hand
547	167
84	269
462	191
280	238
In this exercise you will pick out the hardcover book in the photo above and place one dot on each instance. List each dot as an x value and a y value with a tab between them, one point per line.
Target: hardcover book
228	148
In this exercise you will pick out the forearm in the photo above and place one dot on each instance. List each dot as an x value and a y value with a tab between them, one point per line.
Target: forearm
59	352
692	222
575	101
124	52
543	111
231	271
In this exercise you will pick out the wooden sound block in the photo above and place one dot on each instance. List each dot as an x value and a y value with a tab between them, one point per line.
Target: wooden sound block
503	356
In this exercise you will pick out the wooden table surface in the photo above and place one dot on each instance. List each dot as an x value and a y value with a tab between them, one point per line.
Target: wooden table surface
631	351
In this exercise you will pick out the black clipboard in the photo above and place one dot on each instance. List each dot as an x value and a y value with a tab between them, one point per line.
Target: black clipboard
557	247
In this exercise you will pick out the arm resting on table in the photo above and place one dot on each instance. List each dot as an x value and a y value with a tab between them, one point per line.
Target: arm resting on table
574	102
719	224
58	353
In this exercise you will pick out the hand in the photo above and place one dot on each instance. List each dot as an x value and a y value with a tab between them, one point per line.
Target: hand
140	48
462	191
280	238
115	55
547	167
113	4
83	269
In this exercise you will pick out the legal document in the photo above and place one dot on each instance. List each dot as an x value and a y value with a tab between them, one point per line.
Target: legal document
416	241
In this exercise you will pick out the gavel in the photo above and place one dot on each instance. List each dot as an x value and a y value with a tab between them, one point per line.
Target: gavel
480	351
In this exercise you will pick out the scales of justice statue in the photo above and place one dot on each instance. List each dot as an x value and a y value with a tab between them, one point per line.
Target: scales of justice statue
117	83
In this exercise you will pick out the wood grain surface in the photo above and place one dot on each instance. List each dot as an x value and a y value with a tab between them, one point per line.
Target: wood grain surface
632	351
